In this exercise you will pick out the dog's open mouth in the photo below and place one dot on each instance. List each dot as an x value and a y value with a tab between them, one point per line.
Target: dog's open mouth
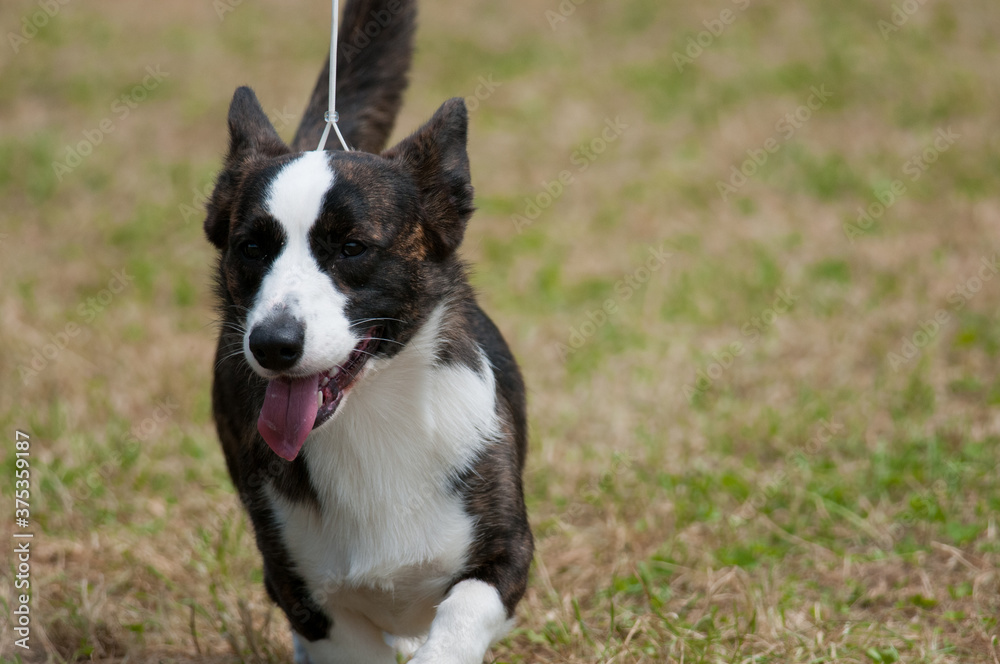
295	406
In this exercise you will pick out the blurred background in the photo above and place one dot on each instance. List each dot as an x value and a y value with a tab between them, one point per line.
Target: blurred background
745	251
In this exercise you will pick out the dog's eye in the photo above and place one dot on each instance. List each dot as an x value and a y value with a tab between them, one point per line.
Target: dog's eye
352	249
251	251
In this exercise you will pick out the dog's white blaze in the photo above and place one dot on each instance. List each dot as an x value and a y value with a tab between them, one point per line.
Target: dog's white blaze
295	280
391	533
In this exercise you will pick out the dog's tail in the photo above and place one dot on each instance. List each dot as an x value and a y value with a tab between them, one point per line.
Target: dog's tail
375	46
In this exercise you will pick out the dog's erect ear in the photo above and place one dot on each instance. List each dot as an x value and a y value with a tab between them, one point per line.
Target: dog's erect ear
436	156
251	136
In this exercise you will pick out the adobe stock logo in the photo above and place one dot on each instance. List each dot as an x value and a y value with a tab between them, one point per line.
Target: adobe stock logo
625	289
487	86
885	198
928	329
121	107
825	432
380	20
99	476
900	16
713	30
31	24
280	119
585	155
751	331
785	130
87	312
565	9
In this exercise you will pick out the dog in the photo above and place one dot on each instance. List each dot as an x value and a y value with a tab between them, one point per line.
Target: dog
371	415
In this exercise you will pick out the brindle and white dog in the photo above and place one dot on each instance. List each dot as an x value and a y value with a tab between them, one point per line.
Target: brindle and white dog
371	414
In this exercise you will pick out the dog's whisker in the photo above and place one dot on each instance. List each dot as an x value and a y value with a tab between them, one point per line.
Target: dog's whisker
391	341
224	324
373	320
221	360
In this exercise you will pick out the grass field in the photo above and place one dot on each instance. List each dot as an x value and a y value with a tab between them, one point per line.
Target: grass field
744	250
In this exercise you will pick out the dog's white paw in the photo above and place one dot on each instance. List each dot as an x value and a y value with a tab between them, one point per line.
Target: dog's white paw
457	654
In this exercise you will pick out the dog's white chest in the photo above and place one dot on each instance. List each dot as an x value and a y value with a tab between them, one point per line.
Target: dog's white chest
389	556
391	531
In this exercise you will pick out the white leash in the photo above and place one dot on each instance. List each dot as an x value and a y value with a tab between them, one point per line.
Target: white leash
331	115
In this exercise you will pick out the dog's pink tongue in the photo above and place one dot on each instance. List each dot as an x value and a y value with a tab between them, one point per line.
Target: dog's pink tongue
288	414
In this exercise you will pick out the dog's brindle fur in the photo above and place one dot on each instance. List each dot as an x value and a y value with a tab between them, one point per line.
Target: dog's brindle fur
415	200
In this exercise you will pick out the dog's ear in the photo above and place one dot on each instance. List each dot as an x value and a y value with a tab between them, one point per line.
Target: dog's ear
251	134
437	158
251	137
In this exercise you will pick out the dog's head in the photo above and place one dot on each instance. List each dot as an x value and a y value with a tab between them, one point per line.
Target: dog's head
330	258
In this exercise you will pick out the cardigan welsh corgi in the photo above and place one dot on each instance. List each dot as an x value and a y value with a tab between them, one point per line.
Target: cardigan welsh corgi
371	415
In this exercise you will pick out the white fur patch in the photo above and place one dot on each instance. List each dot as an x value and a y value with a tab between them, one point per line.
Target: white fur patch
468	621
391	533
295	280
353	639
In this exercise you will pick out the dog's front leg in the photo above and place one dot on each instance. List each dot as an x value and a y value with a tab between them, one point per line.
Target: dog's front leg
468	621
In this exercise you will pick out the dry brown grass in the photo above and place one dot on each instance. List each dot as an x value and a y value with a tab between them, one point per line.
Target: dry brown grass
648	547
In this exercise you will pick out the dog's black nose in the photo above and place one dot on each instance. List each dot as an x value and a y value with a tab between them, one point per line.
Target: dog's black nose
277	342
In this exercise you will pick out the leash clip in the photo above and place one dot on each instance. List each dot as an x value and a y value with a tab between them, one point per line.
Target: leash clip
331	116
